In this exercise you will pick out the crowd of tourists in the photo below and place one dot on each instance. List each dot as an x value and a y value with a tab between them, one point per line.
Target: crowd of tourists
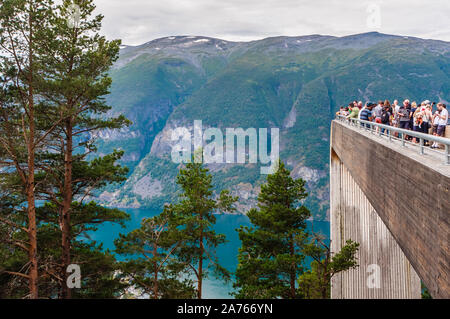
426	117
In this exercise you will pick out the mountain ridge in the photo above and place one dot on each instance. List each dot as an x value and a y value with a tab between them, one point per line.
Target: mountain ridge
308	36
294	83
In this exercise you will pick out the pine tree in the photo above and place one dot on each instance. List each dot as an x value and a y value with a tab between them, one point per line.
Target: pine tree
316	282
76	59
98	267
271	257
194	218
54	77
153	267
22	24
13	243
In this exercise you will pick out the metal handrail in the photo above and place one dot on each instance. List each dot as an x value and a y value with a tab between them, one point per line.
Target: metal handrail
422	136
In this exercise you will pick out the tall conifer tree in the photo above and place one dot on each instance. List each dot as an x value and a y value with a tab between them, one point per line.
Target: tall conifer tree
76	59
22	24
153	267
194	217
316	282
271	256
54	77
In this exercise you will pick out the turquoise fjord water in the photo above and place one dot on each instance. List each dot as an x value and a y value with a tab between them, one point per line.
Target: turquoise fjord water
227	253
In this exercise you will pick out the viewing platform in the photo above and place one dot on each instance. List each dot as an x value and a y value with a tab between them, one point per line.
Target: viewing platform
392	196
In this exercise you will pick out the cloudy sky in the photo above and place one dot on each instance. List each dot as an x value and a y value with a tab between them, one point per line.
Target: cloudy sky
139	21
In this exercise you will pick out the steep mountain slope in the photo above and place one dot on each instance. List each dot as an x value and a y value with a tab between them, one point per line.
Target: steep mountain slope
293	83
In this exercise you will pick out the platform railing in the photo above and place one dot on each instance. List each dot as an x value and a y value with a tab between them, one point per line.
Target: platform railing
389	132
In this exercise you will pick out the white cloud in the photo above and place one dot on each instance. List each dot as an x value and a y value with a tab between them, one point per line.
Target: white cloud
139	21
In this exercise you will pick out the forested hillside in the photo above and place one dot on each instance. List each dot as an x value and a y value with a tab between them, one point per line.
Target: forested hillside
293	83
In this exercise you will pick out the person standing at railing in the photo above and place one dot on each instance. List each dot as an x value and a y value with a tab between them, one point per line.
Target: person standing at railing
377	113
427	115
411	115
346	112
354	111
395	116
427	118
404	115
396	107
435	119
366	113
385	116
362	108
443	116
388	105
419	122
443	120
343	111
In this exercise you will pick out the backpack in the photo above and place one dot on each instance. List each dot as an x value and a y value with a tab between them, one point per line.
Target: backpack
384	117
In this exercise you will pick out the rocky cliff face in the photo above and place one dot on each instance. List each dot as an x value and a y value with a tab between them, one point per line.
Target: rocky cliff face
292	83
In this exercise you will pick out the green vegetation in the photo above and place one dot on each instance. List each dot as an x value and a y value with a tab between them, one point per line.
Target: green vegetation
152	267
257	85
62	146
180	242
98	266
315	283
273	252
47	146
425	293
194	218
270	259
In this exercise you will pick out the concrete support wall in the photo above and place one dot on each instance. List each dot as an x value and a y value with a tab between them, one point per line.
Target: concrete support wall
383	272
409	192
